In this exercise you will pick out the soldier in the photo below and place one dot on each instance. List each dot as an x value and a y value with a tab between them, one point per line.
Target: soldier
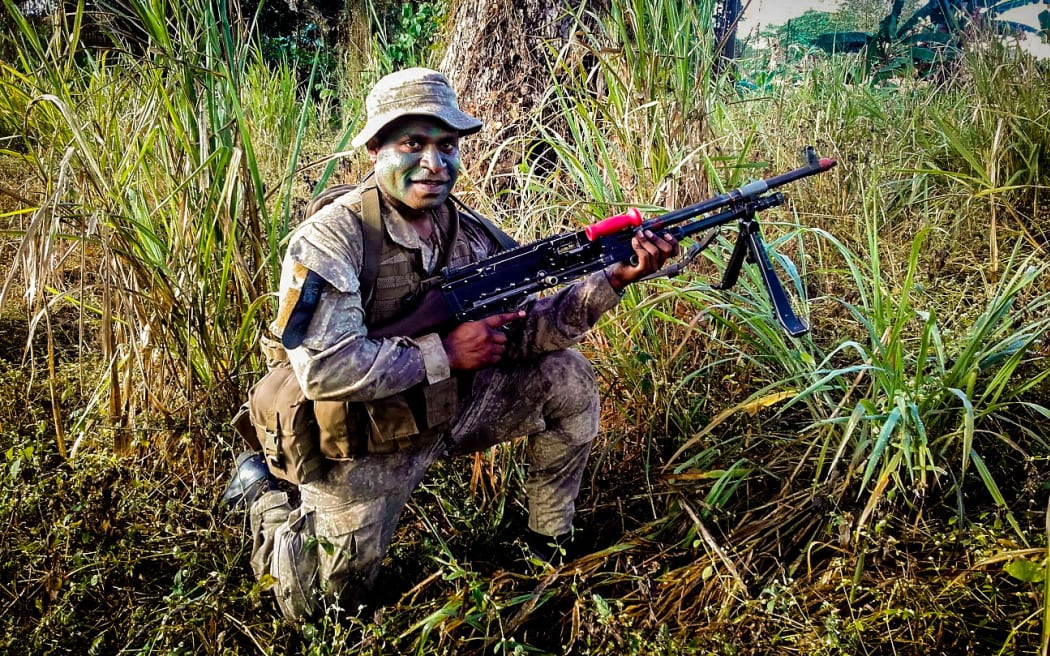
386	408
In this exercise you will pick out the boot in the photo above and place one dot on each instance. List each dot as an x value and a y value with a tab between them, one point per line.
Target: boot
249	478
555	550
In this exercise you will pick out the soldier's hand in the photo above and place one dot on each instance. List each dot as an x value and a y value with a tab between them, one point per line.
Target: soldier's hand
477	344
651	252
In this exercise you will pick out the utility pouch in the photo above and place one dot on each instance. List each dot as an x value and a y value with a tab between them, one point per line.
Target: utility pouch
242	425
395	421
440	400
373	427
342	429
294	566
384	425
391	424
285	426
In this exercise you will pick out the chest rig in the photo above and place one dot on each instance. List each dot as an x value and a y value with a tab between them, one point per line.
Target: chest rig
391	276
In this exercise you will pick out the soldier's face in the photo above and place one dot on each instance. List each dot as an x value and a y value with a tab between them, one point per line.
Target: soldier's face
416	163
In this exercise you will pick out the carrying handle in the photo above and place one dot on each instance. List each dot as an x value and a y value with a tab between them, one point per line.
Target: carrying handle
632	218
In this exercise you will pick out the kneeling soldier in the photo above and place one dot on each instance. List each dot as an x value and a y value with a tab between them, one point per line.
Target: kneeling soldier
383	409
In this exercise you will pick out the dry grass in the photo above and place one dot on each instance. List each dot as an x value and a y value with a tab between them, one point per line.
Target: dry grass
741	497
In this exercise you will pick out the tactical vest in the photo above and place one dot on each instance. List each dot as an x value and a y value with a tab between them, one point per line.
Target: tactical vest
391	423
295	432
401	274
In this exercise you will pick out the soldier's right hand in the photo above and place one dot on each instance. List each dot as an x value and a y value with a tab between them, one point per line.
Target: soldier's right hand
477	344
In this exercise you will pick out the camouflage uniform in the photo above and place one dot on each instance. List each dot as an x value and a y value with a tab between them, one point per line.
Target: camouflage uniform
540	389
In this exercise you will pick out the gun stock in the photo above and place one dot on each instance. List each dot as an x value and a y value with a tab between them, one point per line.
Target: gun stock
431	314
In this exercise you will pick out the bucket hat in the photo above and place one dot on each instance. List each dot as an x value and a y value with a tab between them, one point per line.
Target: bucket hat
413	92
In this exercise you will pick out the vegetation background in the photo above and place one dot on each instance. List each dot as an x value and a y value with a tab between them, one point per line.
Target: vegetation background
878	486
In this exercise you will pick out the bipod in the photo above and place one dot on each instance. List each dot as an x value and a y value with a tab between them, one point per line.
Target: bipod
749	243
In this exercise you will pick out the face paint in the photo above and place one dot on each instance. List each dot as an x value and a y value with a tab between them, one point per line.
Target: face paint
416	164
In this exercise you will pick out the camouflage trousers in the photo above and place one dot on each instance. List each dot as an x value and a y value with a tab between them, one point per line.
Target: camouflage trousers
330	548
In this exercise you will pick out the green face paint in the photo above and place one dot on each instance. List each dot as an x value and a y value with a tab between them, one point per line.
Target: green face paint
416	164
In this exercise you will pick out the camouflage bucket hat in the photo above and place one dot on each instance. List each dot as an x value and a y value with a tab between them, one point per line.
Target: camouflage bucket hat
413	92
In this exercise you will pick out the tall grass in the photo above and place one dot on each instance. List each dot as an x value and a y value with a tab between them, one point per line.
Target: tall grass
911	392
841	493
166	176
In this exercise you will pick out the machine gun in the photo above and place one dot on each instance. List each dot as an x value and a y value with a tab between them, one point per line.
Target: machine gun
501	283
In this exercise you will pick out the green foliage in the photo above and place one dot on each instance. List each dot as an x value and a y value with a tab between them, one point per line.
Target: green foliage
300	50
406	33
74	535
167	172
636	132
901	38
806	29
865	15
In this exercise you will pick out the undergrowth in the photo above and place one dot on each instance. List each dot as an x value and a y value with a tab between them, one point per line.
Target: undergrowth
875	487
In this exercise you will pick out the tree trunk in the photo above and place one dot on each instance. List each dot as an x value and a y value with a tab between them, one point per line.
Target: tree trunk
726	20
497	60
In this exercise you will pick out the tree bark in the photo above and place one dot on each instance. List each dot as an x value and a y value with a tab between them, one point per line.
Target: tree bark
497	58
726	20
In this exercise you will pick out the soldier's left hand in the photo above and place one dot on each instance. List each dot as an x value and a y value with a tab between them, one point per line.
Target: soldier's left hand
651	251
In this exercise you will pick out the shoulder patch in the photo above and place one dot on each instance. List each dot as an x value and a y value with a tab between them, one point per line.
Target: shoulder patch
297	309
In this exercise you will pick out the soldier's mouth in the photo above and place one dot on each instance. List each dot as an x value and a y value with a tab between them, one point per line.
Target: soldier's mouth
432	185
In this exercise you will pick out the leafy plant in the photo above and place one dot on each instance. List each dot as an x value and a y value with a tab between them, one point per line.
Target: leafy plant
405	35
922	43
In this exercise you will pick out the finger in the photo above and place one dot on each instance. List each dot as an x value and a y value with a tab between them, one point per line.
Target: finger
498	337
496	354
673	242
503	318
647	248
636	246
667	245
650	241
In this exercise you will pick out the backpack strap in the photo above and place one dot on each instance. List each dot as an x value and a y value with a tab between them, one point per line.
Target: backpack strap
372	238
372	235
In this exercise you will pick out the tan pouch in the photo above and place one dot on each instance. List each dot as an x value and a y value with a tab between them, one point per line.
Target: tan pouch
440	400
395	421
352	429
284	423
385	425
341	428
391	424
242	425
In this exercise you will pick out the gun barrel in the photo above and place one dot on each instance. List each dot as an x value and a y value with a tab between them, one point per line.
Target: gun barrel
632	218
746	192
